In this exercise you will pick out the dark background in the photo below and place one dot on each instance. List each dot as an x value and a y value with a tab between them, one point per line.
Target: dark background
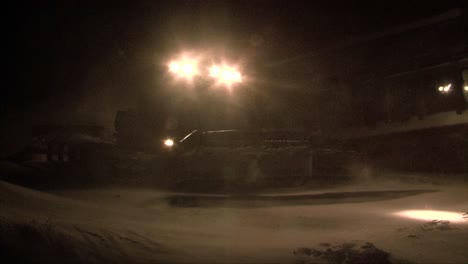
80	61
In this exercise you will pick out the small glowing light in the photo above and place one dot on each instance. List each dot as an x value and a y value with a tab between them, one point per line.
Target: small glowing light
429	215
445	89
466	88
168	142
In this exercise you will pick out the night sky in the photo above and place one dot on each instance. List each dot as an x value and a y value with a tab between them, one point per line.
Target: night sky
81	60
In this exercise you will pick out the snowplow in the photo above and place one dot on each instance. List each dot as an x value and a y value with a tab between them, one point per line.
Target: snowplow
247	160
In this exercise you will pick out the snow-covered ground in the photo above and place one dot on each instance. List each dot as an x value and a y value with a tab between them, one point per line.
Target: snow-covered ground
142	225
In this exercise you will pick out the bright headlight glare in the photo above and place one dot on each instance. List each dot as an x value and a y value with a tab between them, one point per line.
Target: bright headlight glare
225	75
185	68
168	142
214	71
174	67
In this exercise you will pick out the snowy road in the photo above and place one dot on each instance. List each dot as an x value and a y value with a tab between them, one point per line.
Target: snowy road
143	225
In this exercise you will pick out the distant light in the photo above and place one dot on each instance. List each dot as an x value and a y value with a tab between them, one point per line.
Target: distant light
168	142
445	89
466	88
429	215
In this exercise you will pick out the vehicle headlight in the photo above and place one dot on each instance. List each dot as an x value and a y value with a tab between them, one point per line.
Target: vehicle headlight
168	142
